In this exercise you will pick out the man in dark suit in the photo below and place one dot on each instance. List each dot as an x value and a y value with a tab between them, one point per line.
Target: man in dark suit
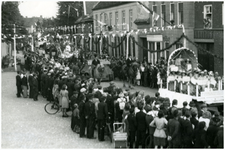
102	115
35	87
141	126
18	84
132	127
43	83
89	110
187	131
82	117
30	81
173	128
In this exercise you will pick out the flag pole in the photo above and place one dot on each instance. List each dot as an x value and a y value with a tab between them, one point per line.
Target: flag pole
84	5
14	44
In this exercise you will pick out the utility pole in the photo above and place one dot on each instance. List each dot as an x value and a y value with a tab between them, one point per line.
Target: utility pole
128	35
15	47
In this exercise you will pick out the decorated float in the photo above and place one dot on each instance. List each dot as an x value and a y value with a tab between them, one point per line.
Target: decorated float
186	82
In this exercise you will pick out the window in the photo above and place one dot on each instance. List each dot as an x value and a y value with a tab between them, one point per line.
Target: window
96	22
110	18
163	15
130	19
207	17
172	18
116	19
154	22
180	13
105	18
123	20
222	15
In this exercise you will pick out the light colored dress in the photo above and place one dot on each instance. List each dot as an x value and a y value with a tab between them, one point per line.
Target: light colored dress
64	98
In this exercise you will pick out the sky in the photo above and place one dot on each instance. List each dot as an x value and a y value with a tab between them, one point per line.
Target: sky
36	8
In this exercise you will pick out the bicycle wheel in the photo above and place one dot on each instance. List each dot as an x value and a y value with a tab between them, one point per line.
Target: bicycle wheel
51	108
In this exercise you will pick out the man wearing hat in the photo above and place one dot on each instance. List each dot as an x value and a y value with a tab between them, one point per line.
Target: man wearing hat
203	109
89	110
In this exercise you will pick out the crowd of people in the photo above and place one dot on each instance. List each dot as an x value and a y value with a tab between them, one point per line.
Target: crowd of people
150	120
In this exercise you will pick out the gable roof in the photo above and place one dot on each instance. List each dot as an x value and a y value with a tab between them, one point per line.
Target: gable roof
106	4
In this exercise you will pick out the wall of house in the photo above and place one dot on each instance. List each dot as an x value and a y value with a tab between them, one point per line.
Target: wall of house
213	36
169	36
119	30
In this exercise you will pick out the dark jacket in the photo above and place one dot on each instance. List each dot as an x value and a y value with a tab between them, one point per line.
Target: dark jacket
200	141
81	109
128	62
132	124
18	80
140	119
173	129
187	131
102	112
24	81
89	110
219	138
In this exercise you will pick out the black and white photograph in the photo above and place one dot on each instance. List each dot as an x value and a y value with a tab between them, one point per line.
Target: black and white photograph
112	74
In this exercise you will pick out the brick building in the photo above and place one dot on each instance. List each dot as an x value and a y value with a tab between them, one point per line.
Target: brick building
208	33
175	13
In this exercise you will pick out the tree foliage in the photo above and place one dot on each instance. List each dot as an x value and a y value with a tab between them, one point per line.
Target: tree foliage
11	13
66	15
10	16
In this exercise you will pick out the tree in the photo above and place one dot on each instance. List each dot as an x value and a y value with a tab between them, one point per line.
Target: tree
10	16
69	12
11	13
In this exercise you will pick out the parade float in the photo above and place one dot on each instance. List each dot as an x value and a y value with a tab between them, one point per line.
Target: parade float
186	82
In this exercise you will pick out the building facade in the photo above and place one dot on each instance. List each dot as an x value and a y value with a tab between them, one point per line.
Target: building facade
163	32
118	18
156	34
209	34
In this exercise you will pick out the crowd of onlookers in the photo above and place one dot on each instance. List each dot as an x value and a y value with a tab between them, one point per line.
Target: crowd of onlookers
150	120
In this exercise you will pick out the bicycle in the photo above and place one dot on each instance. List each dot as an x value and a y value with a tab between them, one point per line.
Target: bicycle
52	107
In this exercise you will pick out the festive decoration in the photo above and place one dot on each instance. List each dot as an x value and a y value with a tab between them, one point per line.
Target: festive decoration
124	38
154	51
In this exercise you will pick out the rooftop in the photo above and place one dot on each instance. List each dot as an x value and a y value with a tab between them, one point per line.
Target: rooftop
103	5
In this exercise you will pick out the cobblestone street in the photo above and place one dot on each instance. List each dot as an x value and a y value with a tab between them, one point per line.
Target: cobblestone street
25	124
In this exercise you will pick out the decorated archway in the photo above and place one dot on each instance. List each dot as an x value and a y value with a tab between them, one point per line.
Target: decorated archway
185	53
